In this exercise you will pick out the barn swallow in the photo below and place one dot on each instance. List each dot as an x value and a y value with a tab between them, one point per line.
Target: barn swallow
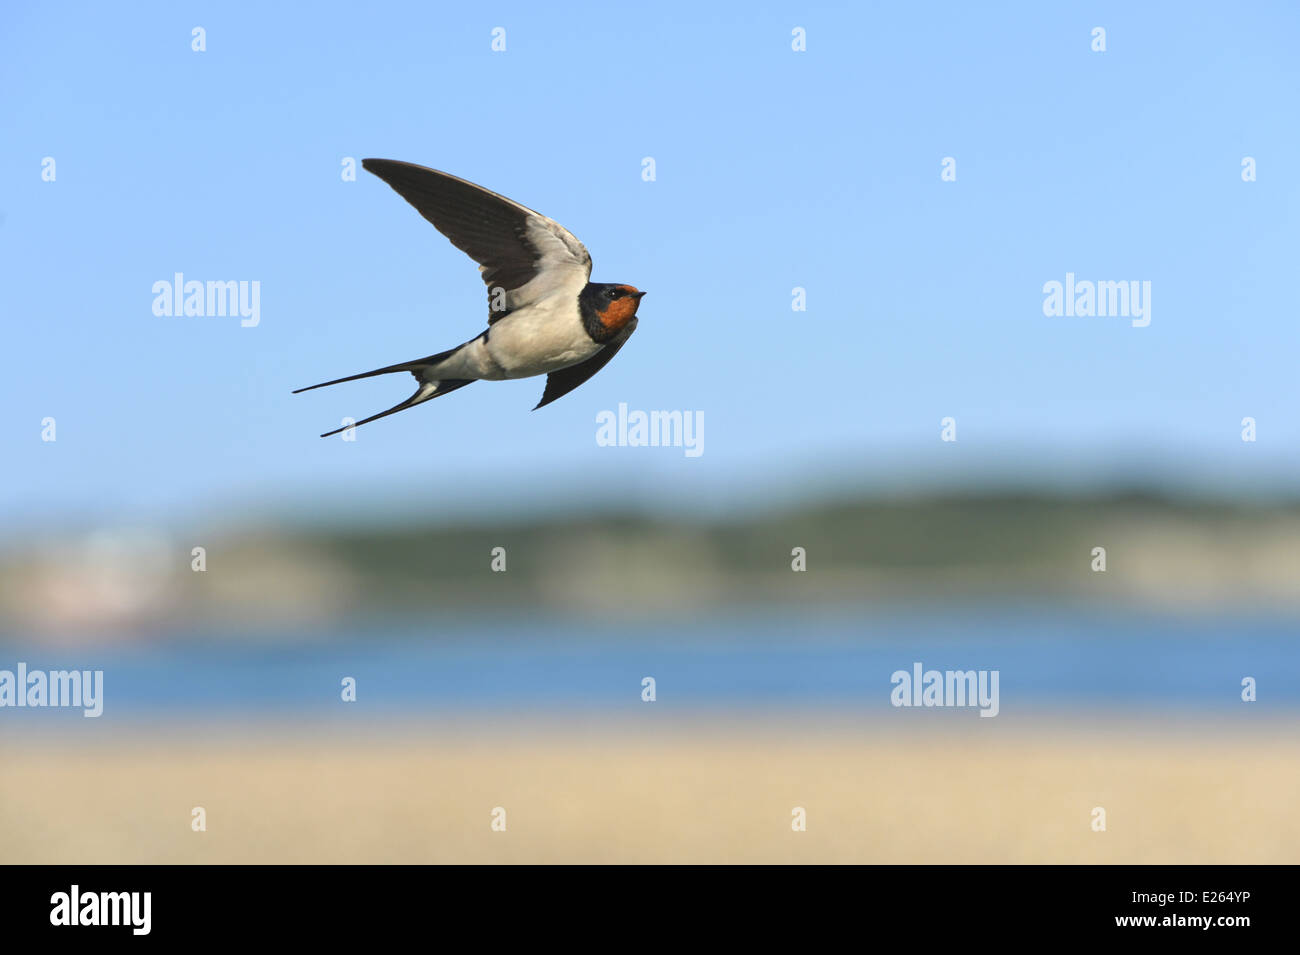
544	316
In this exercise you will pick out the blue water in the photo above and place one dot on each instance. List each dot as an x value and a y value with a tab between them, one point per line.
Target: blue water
773	661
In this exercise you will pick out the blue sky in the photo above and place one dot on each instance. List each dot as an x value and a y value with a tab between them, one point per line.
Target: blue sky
775	169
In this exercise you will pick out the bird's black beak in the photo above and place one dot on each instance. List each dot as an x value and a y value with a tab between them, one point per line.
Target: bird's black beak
638	295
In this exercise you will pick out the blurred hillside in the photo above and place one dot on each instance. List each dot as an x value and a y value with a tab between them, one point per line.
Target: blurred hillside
1160	553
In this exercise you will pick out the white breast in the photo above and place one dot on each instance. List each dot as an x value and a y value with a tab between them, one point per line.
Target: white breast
539	339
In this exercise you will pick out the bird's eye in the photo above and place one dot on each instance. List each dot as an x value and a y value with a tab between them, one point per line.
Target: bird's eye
613	293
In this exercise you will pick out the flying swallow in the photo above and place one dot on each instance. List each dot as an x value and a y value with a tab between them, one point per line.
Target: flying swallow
544	316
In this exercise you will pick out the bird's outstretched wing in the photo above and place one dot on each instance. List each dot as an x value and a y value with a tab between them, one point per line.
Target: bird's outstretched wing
560	383
523	256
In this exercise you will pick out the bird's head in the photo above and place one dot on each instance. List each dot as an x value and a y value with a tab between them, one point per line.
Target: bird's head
613	305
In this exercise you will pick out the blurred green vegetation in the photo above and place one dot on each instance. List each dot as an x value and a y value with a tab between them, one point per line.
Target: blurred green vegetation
1160	552
989	545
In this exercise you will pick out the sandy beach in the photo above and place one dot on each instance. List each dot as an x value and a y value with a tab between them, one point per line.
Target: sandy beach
701	792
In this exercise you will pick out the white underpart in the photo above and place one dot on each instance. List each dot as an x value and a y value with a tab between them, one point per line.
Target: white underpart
535	340
540	339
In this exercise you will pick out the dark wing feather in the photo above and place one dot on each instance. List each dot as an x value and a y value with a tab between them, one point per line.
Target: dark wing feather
560	383
521	252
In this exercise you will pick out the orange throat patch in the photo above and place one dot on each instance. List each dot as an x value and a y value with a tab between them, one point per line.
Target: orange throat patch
618	314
